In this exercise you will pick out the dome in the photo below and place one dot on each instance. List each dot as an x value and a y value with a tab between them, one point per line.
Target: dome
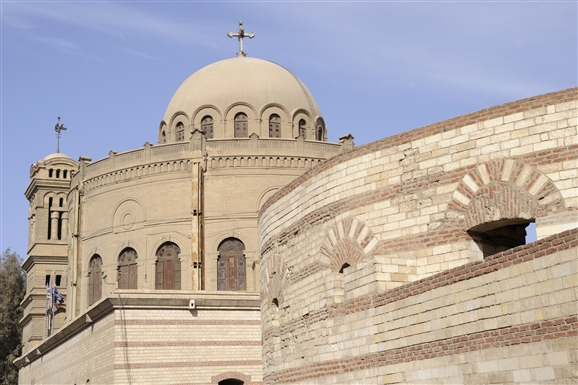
257	88
57	155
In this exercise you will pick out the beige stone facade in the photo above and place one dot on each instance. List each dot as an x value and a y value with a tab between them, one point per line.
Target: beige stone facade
157	248
397	262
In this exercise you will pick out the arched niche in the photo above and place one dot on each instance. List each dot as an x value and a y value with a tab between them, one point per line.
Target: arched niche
234	110
265	115
298	116
129	215
215	114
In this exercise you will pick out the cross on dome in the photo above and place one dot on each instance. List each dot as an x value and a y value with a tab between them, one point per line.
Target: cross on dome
240	35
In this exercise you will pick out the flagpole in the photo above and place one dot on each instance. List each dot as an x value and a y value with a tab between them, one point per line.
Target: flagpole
46	317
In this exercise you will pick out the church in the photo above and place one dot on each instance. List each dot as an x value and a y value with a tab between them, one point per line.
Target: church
244	248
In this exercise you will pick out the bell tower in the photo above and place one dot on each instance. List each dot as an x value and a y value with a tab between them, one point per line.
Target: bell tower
46	263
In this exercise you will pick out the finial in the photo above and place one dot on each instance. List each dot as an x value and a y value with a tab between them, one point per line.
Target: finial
240	35
58	128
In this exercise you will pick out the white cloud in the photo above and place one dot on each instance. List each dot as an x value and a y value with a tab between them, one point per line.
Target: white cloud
111	18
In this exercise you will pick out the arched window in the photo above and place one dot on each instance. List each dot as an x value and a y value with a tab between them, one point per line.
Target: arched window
231	265
303	128
498	236
319	133
180	132
207	126
241	125
94	279
274	126
168	269
163	137
49	235
127	269
64	173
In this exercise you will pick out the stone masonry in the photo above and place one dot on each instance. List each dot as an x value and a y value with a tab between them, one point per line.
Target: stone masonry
404	260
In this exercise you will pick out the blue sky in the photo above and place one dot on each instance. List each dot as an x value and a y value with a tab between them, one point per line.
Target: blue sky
109	69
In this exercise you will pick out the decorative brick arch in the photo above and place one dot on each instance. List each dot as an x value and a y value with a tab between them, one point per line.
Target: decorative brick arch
234	375
348	242
504	189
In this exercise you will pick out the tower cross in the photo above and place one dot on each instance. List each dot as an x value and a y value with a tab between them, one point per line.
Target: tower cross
58	128
240	35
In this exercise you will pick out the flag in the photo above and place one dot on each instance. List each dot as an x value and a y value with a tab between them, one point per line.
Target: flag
57	298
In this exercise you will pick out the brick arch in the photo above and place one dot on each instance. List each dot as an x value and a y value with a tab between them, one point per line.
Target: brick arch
234	375
348	241
502	189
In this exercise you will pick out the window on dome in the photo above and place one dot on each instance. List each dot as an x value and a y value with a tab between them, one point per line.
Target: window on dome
241	125
274	126
207	126
180	132
231	265
127	269
95	279
319	133
163	137
303	128
168	269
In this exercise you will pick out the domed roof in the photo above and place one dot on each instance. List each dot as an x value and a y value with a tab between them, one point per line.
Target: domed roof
255	82
57	155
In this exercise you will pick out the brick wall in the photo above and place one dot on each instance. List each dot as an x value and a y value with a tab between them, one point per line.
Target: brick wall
388	214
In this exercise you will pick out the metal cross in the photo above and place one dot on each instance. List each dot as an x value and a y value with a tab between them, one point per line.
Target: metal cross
58	128
240	35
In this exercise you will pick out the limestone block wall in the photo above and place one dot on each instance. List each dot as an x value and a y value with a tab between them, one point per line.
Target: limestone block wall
178	347
511	318
86	356
406	208
154	337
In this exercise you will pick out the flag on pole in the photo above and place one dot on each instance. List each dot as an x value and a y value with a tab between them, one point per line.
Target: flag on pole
57	298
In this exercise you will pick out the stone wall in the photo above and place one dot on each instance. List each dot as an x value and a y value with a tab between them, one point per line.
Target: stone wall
138	337
382	217
508	319
85	356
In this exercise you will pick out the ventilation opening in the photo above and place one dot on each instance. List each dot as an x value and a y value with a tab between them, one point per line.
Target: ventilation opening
47	280
231	381
58	280
495	237
345	266
275	302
